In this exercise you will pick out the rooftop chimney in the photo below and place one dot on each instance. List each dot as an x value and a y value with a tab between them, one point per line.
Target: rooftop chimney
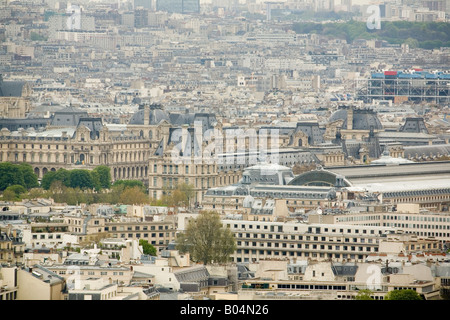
146	114
350	118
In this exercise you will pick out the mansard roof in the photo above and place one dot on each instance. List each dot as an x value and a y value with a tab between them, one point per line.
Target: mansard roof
363	119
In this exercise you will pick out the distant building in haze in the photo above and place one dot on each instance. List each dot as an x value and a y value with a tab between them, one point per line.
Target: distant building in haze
178	6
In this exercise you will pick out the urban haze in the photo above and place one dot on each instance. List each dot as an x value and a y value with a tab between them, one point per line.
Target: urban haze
317	131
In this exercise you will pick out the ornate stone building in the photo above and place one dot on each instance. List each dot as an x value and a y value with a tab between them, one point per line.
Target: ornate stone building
14	98
74	141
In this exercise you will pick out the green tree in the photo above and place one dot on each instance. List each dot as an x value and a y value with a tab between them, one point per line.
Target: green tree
61	175
96	180
104	174
10	174
48	179
179	197
426	35
364	295
29	177
403	294
17	189
9	195
81	178
114	195
134	195
130	183
35	193
188	191
206	240
147	247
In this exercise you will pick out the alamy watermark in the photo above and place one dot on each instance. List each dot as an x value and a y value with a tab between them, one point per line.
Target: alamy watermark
73	22
227	147
374	20
374	281
73	282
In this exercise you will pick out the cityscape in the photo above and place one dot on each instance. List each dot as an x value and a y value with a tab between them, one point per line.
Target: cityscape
225	150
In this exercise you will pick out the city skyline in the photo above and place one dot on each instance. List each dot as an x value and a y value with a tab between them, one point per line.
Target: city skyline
311	139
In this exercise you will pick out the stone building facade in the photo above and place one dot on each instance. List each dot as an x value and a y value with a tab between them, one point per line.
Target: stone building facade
81	143
14	98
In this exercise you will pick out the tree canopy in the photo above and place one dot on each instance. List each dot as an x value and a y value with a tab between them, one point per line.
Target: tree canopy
62	175
426	35
403	294
81	178
17	174
181	196
98	178
206	240
29	177
147	247
129	183
133	195
104	176
364	295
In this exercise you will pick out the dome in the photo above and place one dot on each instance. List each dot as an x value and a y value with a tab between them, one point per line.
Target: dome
155	116
363	119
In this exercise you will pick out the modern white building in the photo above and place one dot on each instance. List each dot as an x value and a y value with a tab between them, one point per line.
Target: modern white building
259	240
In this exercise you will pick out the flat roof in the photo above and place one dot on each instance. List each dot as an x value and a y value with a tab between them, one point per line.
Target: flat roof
354	173
408	176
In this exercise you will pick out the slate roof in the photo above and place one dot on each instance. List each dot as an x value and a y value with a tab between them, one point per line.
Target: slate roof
312	130
193	278
11	88
68	116
156	115
235	189
244	272
13	124
273	174
427	150
93	124
363	119
414	125
344	269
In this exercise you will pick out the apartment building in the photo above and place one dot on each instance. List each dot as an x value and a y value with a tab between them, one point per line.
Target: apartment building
50	235
257	240
114	274
327	280
86	227
39	283
8	283
11	245
100	289
159	233
407	218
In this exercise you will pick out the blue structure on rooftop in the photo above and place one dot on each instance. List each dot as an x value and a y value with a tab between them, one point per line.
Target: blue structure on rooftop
413	85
